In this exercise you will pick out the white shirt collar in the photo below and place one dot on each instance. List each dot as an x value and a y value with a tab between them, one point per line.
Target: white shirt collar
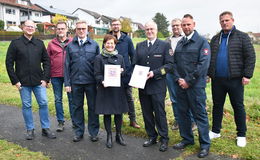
152	41
84	40
189	36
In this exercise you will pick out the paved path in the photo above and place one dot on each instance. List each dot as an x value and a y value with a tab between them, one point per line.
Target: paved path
62	148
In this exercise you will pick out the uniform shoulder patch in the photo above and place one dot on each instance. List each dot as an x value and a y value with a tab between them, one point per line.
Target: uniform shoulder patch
206	51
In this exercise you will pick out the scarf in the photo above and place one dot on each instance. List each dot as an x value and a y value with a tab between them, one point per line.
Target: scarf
106	53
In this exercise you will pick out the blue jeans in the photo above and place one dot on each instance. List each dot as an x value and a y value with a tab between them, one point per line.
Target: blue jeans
172	87
57	84
78	93
41	97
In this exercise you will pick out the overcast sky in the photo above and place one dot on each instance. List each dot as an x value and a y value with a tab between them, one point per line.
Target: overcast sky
205	12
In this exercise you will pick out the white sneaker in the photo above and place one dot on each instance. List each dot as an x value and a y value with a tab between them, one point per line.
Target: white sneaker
213	135
241	141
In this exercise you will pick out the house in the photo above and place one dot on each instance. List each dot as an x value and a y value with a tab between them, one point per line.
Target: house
137	26
50	12
99	23
15	12
255	37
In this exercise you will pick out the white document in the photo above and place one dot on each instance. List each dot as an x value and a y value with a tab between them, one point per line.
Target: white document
139	76
112	75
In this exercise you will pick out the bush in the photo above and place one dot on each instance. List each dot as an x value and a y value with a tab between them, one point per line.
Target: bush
160	35
139	33
2	25
40	27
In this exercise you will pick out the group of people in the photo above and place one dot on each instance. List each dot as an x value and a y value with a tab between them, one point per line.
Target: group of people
184	62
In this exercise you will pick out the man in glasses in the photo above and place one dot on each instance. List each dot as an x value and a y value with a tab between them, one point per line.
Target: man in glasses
80	81
125	47
28	67
56	50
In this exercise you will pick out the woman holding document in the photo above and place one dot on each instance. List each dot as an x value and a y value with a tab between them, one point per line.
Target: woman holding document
111	98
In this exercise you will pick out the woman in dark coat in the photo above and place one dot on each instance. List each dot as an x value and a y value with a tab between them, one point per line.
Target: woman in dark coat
110	100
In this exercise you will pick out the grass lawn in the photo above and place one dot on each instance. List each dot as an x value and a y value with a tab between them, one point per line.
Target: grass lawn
225	145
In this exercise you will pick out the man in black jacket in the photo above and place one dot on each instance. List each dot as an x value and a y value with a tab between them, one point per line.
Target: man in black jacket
231	67
28	67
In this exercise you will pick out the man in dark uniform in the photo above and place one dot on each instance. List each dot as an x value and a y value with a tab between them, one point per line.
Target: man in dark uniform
191	62
154	53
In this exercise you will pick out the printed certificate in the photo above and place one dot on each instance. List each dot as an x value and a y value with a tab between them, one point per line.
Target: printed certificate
112	75
139	76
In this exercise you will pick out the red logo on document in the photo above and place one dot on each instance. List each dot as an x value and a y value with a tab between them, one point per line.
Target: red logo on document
206	51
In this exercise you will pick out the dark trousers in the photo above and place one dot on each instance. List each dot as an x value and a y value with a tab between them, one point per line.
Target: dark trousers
78	92
193	99
235	89
118	123
130	102
153	109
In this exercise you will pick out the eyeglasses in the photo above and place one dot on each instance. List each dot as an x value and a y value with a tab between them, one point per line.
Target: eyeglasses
81	29
29	26
62	29
116	24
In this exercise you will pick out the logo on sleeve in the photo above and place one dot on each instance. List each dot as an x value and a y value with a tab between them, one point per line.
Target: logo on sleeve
206	51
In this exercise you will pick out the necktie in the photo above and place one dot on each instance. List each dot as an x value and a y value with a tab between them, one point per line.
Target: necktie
81	42
150	46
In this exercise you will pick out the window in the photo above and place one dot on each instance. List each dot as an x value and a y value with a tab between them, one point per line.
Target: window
10	23
10	11
37	14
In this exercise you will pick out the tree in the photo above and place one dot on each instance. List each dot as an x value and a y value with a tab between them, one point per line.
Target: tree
2	25
126	25
162	24
58	17
139	33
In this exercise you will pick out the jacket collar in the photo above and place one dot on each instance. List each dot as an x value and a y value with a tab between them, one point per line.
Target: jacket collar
57	42
26	40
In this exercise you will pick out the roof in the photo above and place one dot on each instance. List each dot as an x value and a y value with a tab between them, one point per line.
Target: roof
106	19
15	4
94	14
53	10
256	34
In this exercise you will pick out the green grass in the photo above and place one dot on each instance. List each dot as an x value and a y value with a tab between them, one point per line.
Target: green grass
10	151
225	145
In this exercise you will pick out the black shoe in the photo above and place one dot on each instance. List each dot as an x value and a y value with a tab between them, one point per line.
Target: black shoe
30	134
203	153
149	142
109	143
60	127
181	145
120	140
163	146
94	138
77	138
47	133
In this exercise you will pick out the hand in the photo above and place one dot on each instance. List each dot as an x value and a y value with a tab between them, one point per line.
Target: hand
150	75
18	85
68	89
183	84
122	70
245	81
44	83
208	79
103	82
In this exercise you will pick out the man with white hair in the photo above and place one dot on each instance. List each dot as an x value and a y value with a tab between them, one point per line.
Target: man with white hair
154	53
80	81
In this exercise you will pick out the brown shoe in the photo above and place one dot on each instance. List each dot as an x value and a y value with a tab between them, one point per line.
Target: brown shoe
134	124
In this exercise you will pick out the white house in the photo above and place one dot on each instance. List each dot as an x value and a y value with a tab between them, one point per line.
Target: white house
15	12
100	23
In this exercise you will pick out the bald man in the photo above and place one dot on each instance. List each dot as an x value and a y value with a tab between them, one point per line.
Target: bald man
154	53
28	67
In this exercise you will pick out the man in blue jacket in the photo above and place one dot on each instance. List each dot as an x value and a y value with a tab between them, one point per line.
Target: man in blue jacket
79	80
125	48
191	62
